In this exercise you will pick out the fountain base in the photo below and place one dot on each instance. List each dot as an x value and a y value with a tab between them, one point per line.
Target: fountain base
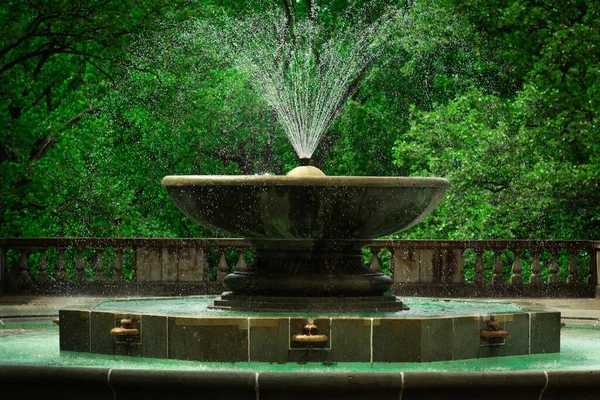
308	268
187	329
304	275
317	275
230	301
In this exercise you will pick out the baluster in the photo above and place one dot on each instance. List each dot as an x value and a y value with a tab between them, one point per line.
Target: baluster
449	263
134	262
61	267
553	277
117	275
23	264
99	265
392	261
3	268
437	263
375	266
202	263
223	267
572	278
241	262
460	272
43	266
592	267
516	279
535	269
498	276
479	279
80	265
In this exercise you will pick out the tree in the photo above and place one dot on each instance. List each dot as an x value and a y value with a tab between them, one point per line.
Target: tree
58	60
522	164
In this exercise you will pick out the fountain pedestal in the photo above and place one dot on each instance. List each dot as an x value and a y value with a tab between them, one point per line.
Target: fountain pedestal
308	231
324	275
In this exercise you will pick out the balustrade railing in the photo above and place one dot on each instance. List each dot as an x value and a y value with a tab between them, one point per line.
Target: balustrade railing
440	268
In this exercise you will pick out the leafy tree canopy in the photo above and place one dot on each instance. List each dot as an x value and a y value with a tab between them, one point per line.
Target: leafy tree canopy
100	99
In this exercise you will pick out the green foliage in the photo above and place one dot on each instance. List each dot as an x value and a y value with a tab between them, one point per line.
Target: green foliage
524	165
101	99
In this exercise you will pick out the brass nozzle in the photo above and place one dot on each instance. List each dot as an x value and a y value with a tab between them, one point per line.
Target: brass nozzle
304	162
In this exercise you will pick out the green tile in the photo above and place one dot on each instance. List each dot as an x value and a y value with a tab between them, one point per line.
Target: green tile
491	350
350	339
269	339
436	339
517	343
545	332
208	339
466	337
101	340
74	330
153	337
396	340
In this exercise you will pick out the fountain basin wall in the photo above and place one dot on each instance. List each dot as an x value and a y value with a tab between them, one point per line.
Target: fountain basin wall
382	337
104	383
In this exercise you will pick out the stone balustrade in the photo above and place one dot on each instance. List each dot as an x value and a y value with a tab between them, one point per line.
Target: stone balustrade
490	268
440	268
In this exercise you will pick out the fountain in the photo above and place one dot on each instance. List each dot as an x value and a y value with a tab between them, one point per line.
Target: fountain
307	295
308	232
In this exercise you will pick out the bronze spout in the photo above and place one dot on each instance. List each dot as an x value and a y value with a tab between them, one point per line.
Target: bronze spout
310	334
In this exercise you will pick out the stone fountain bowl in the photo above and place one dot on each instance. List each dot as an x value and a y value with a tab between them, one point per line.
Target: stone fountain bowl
310	208
308	230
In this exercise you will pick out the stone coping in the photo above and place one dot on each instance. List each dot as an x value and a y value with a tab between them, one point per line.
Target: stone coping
104	383
34	305
271	180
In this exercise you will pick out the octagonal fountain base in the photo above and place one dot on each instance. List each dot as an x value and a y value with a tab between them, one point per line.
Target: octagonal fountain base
187	329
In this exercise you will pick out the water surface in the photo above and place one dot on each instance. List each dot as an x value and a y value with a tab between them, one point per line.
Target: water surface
37	343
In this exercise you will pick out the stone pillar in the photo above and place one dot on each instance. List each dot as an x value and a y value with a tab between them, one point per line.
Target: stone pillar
406	265
241	263
170	264
61	266
22	274
498	276
169	261
553	268
598	271
427	263
43	266
516	278
572	277
375	267
452	266
223	267
117	274
3	268
189	264
148	264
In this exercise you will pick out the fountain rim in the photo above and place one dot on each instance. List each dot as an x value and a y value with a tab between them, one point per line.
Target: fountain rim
327	181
